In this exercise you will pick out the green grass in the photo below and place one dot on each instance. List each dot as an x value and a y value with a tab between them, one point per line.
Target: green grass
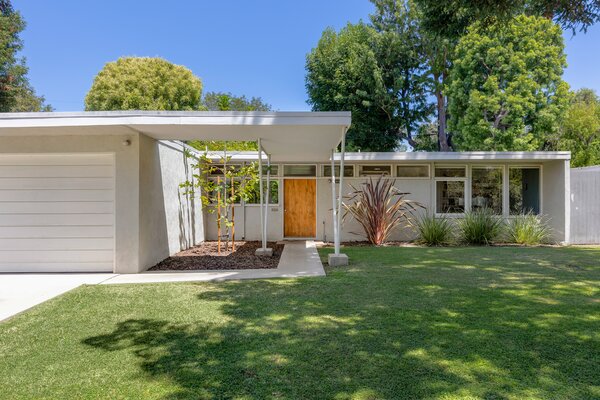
414	323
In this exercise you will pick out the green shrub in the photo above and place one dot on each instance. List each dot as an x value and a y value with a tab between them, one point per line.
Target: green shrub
480	227
434	231
528	229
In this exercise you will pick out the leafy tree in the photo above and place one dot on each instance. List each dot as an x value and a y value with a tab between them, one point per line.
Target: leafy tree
220	101
16	93
580	130
343	73
451	18
506	90
144	83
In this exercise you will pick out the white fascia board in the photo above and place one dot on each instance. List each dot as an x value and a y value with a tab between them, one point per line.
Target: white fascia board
457	156
176	118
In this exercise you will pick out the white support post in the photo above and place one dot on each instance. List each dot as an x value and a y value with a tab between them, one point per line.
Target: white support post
339	210
268	193
333	198
263	251
338	259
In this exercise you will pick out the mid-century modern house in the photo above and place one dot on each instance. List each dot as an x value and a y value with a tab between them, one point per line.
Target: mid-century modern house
99	191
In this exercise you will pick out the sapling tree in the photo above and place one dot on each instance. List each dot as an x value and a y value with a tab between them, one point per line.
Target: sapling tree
220	185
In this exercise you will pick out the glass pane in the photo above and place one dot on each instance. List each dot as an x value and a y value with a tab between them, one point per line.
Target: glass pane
450	197
487	189
524	190
300	170
369	170
274	170
412	171
218	169
224	191
254	193
348	170
450	172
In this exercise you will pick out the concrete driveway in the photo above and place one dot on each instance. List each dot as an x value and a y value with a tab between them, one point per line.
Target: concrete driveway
18	292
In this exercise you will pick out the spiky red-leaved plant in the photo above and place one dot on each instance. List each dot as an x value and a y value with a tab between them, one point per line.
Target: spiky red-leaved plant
380	208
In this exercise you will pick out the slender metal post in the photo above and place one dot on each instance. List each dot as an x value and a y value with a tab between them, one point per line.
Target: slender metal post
260	188
333	198
339	210
266	226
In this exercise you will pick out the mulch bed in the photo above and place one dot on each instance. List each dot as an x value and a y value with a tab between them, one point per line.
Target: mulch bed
206	257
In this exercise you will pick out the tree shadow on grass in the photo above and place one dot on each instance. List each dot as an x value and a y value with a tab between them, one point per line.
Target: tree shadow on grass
408	335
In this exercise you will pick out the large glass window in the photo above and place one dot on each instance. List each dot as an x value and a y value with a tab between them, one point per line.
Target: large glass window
524	190
254	192
486	189
374	170
450	197
412	171
348	170
300	170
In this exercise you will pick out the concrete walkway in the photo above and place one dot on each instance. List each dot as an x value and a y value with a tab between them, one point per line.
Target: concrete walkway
299	259
19	292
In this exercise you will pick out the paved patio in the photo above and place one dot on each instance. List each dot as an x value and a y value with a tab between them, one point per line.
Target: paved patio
299	259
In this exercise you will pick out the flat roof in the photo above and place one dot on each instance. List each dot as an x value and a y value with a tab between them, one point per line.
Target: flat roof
415	156
289	136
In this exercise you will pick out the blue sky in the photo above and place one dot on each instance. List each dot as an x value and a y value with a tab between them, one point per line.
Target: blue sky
256	48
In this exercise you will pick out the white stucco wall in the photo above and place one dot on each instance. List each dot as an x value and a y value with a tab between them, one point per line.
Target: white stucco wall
170	221
556	195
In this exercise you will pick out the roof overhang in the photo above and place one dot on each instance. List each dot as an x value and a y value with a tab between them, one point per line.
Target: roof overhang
457	156
287	136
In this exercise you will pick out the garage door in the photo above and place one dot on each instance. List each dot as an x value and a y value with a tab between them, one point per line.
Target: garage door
56	212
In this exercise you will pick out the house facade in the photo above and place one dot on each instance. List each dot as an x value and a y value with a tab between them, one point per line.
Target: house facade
99	191
445	184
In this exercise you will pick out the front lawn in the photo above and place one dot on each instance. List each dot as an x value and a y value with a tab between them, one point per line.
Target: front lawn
440	323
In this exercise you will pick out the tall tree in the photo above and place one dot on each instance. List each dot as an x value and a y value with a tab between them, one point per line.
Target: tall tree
580	129
403	60
451	18
16	93
144	83
343	73
221	101
506	90
375	72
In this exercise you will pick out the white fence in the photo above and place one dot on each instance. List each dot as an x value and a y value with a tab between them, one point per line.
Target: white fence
585	205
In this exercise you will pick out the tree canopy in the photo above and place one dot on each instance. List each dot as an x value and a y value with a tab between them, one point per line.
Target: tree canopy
451	18
378	72
506	90
16	93
222	101
580	130
144	83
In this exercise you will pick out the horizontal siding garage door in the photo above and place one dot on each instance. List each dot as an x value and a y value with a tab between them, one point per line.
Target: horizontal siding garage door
56	212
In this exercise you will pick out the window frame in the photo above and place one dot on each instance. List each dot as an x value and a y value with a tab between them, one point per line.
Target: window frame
272	180
502	168
413	177
324	175
467	192
360	167
539	167
299	176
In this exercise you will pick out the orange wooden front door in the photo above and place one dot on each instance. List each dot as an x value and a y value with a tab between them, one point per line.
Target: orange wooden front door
300	208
